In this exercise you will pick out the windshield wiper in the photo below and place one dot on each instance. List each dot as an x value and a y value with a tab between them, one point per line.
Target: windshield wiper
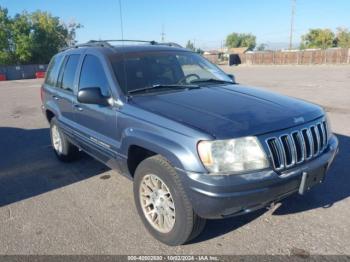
211	80
160	86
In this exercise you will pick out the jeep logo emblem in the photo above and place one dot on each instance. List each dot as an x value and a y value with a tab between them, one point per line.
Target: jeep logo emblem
299	120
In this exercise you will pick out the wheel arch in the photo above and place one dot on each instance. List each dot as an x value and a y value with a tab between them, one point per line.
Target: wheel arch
148	144
51	110
49	115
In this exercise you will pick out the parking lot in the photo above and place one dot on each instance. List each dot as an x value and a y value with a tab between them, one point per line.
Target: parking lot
48	207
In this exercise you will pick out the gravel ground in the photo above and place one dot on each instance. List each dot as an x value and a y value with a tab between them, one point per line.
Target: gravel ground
47	207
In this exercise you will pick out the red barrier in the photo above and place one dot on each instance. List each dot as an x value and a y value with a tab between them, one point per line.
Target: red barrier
2	77
40	74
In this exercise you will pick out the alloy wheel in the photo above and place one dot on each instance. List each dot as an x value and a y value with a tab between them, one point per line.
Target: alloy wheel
157	203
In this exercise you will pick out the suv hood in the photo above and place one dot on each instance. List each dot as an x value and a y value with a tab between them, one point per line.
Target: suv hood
229	111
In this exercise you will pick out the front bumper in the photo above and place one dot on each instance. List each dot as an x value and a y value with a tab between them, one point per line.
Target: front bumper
225	196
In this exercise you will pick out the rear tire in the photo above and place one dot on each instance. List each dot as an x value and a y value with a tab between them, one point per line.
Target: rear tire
155	174
64	150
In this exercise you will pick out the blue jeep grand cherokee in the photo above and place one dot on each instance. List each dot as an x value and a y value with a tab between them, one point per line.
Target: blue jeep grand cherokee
196	144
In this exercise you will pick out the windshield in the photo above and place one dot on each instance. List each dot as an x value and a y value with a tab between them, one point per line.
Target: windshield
143	71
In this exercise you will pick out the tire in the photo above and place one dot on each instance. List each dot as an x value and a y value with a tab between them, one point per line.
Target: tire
186	225
64	150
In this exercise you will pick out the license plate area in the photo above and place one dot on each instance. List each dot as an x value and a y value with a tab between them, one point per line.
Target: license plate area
311	178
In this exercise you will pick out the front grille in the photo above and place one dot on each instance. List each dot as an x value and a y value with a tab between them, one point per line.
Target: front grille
298	146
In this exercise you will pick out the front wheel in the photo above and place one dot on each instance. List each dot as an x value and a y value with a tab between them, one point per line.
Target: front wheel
162	203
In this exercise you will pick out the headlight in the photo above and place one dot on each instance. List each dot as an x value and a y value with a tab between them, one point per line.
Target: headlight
328	126
232	156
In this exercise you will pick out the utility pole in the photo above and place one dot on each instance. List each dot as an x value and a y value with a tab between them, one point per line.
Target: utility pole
292	24
163	34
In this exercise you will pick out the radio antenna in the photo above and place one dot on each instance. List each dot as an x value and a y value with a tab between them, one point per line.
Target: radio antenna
292	25
121	18
124	61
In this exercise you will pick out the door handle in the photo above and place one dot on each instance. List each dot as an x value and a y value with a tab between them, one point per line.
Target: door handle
78	107
56	97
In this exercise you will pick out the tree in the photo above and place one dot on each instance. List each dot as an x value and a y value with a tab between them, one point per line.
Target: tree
5	32
318	38
199	51
343	37
190	45
72	27
248	40
21	38
233	40
262	47
33	37
48	36
241	40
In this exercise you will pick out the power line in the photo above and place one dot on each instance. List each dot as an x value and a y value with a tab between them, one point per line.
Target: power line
292	24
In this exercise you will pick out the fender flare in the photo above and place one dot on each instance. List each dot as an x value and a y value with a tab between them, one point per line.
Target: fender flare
50	106
179	156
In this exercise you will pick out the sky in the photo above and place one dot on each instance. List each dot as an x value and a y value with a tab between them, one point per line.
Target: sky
205	22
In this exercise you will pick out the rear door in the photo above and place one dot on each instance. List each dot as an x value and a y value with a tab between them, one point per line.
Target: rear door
50	84
65	92
97	124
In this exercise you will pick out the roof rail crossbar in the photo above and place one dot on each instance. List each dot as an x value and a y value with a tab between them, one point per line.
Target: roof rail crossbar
152	42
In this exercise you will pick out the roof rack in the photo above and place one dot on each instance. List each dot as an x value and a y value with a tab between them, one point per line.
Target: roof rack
171	44
91	43
105	43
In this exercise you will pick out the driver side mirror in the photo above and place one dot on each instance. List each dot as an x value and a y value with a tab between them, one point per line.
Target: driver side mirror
232	78
92	95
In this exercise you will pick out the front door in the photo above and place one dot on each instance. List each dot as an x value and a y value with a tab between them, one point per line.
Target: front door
97	125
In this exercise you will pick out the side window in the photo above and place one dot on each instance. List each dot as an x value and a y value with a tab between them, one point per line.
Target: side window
69	73
53	70
93	75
